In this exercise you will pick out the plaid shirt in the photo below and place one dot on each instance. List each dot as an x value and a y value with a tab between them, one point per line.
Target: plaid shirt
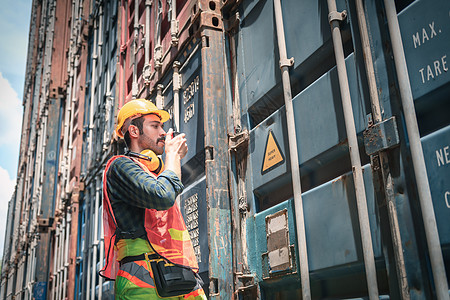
130	189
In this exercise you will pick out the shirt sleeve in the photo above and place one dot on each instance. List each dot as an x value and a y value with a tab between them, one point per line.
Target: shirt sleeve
138	188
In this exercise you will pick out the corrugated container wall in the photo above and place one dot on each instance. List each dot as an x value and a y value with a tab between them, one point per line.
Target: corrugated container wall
40	257
98	125
308	174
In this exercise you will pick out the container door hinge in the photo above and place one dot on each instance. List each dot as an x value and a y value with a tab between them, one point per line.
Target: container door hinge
159	96
44	223
238	141
158	57
245	282
174	32
146	73
381	136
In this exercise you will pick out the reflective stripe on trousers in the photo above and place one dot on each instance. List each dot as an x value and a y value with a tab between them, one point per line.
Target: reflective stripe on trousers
135	281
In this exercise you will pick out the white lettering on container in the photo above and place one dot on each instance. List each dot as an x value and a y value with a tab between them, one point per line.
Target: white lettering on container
426	36
191	220
189	112
434	70
188	95
443	156
191	90
437	67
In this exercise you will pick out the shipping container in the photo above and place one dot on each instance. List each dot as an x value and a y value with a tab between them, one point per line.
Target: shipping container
335	254
318	136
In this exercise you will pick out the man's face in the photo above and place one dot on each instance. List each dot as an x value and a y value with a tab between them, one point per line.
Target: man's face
153	136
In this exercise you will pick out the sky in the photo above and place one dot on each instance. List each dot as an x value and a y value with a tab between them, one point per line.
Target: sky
14	27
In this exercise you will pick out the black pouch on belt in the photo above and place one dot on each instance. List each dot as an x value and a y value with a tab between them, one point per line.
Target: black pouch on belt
172	280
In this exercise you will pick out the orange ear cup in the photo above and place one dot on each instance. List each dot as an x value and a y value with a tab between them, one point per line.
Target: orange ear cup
155	164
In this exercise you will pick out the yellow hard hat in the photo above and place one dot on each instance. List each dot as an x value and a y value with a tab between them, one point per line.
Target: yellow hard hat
134	109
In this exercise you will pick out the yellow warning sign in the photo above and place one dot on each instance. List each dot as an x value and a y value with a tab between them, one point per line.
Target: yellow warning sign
273	157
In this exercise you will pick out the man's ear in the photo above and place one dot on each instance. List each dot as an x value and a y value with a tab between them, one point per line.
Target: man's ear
133	131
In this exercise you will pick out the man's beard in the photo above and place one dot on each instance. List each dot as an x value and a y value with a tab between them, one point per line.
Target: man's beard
148	143
158	149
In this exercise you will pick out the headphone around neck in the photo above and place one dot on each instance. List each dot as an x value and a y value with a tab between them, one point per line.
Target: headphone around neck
149	159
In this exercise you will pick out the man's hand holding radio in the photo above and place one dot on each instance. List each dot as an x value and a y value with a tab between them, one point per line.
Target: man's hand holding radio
175	148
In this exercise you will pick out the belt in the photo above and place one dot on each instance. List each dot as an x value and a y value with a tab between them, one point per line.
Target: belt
143	256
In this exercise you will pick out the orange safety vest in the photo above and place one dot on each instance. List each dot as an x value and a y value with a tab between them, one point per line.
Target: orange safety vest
166	232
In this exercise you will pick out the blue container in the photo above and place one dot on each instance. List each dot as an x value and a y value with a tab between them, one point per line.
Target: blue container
191	101
320	131
436	149
331	221
195	213
426	40
308	40
332	235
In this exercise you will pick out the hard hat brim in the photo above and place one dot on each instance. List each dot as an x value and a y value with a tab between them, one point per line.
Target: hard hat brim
164	115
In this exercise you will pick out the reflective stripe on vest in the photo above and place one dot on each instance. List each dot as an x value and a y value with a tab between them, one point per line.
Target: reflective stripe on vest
134	273
166	232
194	294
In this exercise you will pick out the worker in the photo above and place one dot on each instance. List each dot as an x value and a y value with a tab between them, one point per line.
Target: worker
148	250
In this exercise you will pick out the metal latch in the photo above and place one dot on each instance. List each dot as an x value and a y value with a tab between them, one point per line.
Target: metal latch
286	62
381	136
337	16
